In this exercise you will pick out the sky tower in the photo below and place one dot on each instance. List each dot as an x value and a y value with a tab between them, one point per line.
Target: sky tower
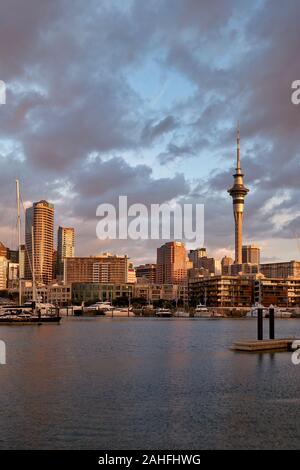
238	193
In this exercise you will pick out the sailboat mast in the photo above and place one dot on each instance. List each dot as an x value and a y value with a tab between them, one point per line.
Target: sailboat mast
19	239
33	266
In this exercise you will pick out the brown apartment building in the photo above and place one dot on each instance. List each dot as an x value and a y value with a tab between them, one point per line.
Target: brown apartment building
282	269
105	268
171	266
146	272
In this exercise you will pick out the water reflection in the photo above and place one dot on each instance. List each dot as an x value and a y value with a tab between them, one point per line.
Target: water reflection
146	383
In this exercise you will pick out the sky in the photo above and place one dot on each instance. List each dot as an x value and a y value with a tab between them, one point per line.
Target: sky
126	97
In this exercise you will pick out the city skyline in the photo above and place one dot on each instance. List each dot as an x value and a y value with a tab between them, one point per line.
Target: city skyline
237	191
156	119
242	252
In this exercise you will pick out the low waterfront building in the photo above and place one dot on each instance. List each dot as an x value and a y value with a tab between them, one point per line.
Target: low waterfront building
56	294
244	291
155	292
95	291
277	291
92	292
222	291
283	269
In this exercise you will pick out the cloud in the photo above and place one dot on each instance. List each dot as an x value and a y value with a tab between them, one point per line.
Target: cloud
102	181
152	130
79	130
174	152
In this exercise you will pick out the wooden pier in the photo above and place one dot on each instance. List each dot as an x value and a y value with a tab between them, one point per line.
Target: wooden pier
280	344
264	345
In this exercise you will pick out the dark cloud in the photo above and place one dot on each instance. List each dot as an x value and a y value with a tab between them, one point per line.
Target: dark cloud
152	130
103	181
174	152
78	132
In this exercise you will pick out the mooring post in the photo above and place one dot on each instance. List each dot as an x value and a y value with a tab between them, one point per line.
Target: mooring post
259	323
272	323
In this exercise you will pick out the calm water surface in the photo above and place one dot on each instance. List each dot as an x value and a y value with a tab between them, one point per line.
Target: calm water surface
146	383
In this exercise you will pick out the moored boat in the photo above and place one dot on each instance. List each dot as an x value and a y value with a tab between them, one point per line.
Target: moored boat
28	315
181	314
31	312
201	311
163	312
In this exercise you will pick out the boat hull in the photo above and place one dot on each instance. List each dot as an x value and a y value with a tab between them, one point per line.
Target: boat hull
29	321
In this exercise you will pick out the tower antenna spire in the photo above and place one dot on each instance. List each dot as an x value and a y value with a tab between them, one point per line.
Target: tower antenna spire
238	148
238	192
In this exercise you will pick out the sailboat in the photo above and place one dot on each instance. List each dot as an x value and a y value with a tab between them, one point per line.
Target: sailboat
33	312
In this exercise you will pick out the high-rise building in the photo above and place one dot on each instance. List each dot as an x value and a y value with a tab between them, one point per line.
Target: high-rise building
147	272
251	254
195	255
238	192
131	275
3	272
13	255
39	226
65	247
22	262
171	263
244	268
208	263
13	275
226	262
54	264
3	250
200	260
16	260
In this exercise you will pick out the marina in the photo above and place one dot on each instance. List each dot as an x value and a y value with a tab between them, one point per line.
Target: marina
29	313
105	378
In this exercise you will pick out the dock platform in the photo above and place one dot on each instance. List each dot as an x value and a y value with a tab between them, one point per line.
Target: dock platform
280	344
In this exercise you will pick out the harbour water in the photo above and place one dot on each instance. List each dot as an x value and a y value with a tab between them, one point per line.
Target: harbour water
138	383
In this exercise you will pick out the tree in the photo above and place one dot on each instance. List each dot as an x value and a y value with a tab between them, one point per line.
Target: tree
138	302
120	301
